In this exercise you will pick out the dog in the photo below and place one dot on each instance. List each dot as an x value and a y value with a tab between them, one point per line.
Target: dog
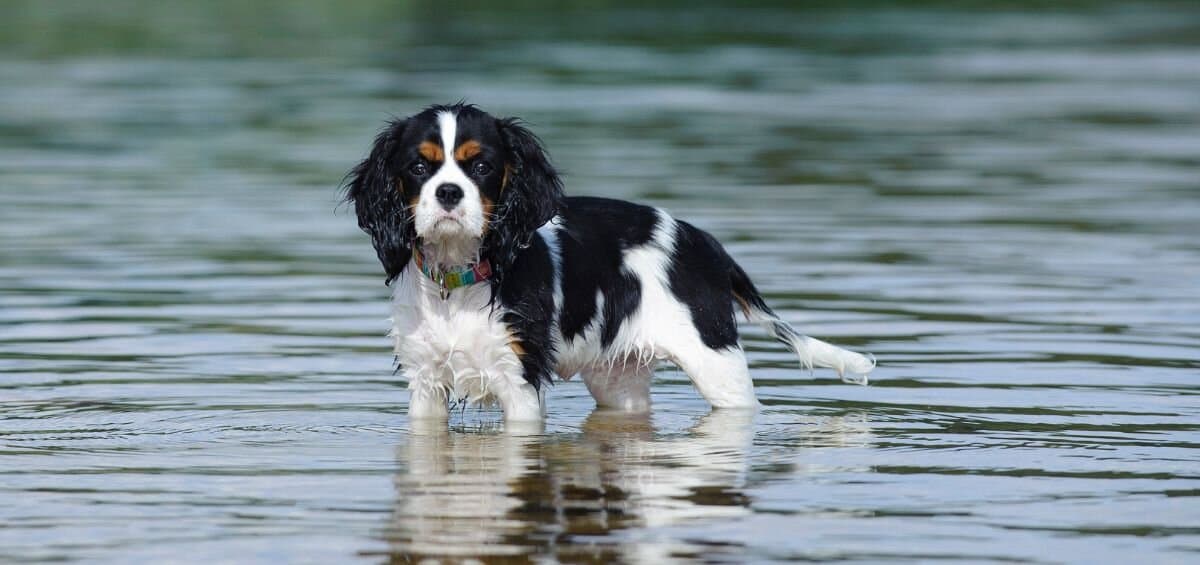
500	282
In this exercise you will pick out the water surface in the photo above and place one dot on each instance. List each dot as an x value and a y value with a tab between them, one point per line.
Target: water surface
1001	205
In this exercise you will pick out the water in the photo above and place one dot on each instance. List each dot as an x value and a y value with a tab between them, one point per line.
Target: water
1001	205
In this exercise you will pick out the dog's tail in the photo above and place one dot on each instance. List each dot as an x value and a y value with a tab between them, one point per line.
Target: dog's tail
851	367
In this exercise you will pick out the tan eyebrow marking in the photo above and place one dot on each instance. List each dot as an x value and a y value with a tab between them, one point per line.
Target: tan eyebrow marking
431	151
467	149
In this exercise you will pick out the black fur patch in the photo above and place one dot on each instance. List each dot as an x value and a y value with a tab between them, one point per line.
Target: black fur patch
700	277
596	232
379	196
526	296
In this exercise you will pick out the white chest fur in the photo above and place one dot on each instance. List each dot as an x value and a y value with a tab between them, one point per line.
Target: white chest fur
455	348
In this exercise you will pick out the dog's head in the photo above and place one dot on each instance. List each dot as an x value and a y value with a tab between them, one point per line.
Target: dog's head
455	181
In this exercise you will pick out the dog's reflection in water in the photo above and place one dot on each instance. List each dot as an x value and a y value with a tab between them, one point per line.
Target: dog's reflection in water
517	492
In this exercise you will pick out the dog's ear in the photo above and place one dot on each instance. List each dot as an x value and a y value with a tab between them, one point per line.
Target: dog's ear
379	200
532	192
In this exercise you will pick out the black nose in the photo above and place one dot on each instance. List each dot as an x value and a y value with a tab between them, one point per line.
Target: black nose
448	195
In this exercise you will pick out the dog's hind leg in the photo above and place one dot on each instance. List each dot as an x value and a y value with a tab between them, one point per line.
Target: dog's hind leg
720	375
624	386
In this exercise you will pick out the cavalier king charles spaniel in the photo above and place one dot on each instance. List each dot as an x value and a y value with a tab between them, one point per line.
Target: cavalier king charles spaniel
501	282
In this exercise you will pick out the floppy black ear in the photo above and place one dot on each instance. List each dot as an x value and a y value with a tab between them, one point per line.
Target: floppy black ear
532	192
379	201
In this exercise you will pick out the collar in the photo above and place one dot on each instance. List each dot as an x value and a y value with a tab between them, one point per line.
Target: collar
454	278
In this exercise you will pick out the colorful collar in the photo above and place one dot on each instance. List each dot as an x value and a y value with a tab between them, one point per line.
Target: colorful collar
456	278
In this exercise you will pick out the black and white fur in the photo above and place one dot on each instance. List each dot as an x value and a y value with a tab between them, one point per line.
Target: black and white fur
597	287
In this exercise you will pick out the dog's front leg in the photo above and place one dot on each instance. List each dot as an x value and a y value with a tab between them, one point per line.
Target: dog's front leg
528	373
522	403
427	401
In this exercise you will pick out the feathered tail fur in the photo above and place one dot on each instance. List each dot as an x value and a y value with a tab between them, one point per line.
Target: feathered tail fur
851	367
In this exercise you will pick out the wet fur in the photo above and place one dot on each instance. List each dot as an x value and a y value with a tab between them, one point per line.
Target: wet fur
592	286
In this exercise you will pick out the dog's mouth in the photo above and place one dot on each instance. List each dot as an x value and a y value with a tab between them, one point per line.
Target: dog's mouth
445	227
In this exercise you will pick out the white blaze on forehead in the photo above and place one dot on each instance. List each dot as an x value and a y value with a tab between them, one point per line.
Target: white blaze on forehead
449	172
448	124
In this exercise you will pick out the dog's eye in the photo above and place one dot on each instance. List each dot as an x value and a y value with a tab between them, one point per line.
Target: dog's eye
480	168
418	169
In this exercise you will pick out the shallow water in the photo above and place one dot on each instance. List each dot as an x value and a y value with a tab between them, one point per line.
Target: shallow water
1000	205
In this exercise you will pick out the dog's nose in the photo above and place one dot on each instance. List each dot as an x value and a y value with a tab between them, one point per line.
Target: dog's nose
448	195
